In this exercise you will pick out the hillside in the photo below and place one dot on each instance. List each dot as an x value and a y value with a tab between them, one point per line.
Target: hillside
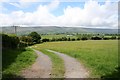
54	29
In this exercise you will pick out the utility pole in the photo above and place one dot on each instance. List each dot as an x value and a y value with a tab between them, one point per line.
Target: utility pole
15	29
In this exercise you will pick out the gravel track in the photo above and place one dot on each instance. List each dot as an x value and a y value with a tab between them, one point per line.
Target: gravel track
40	69
73	68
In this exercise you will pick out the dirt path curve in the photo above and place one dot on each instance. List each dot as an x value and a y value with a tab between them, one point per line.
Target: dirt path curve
73	68
40	69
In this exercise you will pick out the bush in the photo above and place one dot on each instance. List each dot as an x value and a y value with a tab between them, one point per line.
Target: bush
68	39
64	39
78	39
53	39
73	39
9	41
59	39
25	41
22	45
96	38
113	37
84	38
106	38
45	40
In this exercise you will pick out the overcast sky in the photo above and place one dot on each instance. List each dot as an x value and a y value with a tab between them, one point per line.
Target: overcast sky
82	13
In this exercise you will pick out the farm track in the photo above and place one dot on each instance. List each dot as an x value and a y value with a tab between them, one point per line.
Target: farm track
43	66
73	68
40	69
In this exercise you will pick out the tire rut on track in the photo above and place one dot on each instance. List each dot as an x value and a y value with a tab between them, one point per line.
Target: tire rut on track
40	69
73	68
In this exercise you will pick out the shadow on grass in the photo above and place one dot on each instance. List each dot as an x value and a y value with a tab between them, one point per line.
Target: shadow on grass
115	75
12	77
9	56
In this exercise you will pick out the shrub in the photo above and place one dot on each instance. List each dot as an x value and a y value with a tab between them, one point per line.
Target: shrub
73	39
96	38
53	39
64	39
106	38
45	40
118	38
113	37
84	38
78	39
9	41
68	39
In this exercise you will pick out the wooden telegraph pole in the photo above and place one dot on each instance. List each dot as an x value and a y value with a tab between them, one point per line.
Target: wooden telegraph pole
15	29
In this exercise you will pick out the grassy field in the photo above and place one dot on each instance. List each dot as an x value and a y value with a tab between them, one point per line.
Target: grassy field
58	69
57	36
50	36
99	56
16	60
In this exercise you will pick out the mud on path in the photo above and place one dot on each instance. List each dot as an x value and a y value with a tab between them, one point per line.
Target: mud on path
40	69
73	68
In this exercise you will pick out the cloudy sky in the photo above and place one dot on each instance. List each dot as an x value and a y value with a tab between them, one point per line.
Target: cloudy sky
80	13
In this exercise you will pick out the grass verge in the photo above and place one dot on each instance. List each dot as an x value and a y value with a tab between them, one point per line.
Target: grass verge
16	60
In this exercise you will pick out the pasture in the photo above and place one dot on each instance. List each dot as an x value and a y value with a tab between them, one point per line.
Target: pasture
99	56
50	36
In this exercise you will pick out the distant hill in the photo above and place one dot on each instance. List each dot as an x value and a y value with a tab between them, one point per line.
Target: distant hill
54	29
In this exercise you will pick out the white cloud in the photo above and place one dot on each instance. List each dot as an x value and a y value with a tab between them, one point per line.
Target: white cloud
53	5
15	4
22	3
92	15
26	3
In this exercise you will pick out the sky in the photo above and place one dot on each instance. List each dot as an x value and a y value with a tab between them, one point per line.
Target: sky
69	13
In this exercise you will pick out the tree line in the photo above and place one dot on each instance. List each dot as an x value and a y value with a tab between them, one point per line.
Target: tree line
80	38
13	41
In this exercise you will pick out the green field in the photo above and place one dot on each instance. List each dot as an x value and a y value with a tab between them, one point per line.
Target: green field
16	60
57	36
99	56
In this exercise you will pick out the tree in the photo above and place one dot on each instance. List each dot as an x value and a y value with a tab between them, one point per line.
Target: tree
84	38
64	39
35	37
96	38
45	40
26	40
73	39
113	37
53	39
69	39
78	39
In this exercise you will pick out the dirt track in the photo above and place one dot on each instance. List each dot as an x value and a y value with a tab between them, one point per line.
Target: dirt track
73	68
40	69
43	66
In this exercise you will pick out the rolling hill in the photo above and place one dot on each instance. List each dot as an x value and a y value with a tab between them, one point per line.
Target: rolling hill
55	29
